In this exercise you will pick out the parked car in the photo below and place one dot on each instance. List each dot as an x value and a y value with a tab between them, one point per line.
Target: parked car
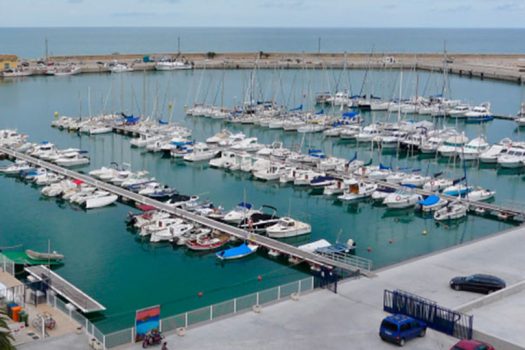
400	328
472	345
478	283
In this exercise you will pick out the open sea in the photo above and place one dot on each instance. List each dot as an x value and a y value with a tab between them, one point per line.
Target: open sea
30	42
107	261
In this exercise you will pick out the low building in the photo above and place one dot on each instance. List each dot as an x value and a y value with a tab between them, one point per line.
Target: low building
8	62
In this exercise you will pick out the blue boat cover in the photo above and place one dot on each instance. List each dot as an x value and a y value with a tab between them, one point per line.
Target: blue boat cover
383	167
430	200
349	114
244	205
320	112
299	108
163	122
319	179
235	252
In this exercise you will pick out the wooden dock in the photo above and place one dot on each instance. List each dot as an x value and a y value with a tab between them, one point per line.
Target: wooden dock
65	289
351	264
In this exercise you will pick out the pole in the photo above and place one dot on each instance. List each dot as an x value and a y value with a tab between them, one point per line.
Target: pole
178	45
319	45
47	49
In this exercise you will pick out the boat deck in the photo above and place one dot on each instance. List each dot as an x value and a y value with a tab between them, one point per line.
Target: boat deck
75	296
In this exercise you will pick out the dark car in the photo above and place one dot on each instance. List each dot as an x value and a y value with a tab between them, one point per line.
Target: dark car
478	283
400	328
471	345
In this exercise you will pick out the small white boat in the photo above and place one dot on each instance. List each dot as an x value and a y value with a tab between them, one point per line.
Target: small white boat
357	190
99	200
120	68
288	227
453	211
432	203
436	184
241	212
172	65
15	168
491	155
473	149
480	195
513	158
402	200
415	180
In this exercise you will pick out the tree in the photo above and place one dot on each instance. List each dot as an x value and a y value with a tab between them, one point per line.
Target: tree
6	338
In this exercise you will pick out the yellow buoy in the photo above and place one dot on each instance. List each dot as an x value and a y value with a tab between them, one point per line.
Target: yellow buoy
424	232
56	114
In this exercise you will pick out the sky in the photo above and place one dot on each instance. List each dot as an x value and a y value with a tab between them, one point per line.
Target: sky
264	13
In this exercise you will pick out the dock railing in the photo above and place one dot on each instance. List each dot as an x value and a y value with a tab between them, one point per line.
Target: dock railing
7	265
210	313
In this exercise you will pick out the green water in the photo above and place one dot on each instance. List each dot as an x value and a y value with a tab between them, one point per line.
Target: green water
110	264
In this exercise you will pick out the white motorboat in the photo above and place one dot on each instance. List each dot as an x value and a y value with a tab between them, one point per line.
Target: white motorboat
480	195
415	180
513	158
520	116
288	227
473	149
72	159
159	224
99	199
349	132
171	233
304	177
47	179
15	168
120	68
57	189
357	190
491	155
435	185
248	145
227	158
240	213
201	152
453	211
368	133
172	65
336	188
401	200
145	139
458	111
396	177
148	218
271	173
224	134
452	146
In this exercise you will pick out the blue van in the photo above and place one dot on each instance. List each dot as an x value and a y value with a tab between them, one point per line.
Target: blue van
400	328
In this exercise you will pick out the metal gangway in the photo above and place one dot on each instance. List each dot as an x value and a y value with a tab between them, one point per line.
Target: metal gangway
62	287
317	260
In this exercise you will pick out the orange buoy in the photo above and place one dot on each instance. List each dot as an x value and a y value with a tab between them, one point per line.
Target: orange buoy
199	294
259	278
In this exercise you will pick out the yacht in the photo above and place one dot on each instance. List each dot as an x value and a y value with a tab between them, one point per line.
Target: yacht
458	111
479	114
368	133
172	65
99	199
473	149
490	156
72	159
226	158
513	158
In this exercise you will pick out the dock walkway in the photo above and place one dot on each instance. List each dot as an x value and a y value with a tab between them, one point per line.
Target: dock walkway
75	296
352	264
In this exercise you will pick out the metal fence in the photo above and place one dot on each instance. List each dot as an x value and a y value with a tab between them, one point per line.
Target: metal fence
217	311
7	265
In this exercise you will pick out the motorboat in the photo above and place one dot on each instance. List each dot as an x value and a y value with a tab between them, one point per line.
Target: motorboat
415	180
159	224
120	68
248	145
226	158
16	168
480	195
453	211
520	116
368	133
381	193
396	177
147	218
452	146
224	134
432	203
473	149
304	177
241	212
288	227
479	114
99	199
336	188
458	111
238	252
172	65
322	181
357	190
271	173
72	159
201	152
513	158
349	132
208	241
401	200
171	233
491	155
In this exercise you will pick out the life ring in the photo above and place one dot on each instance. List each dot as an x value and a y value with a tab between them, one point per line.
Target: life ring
398	198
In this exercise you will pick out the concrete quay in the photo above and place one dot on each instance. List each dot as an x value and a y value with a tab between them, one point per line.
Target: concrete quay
506	67
351	318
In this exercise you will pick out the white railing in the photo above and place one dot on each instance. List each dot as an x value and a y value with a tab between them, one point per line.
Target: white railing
217	311
7	265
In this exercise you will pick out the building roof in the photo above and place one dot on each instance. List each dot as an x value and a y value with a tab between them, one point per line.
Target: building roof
9	281
8	57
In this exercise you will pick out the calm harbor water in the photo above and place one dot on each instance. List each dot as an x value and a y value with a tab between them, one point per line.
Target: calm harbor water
29	42
124	274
